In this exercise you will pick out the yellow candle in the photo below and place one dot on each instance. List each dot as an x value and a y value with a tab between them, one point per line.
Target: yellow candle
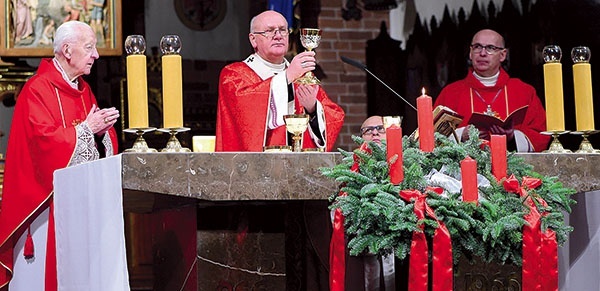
137	91
172	91
553	87
584	105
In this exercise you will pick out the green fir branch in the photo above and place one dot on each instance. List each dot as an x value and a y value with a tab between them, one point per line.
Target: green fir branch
377	221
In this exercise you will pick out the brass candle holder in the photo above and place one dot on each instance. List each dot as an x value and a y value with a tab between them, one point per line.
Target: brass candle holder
586	147
296	124
140	145
555	146
173	144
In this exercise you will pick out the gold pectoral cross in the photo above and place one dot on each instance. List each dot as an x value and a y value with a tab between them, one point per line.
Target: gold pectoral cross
490	112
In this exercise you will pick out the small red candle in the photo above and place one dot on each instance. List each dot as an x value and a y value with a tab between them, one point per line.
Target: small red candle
498	147
468	169
394	147
425	119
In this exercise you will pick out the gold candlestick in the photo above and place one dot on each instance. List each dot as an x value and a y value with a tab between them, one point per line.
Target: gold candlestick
296	124
586	147
173	144
556	147
140	145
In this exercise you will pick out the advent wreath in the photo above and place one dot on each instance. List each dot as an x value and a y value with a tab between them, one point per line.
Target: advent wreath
378	221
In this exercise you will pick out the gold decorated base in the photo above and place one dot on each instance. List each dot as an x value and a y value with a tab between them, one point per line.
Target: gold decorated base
313	150
556	147
140	145
586	147
308	79
277	149
173	144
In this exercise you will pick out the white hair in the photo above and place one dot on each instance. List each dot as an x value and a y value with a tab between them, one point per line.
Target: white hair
68	32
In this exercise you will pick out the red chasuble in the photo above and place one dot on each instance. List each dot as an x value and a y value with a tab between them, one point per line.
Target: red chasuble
242	113
509	94
42	139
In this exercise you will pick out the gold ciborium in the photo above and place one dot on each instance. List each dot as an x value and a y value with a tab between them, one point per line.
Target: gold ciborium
310	39
296	124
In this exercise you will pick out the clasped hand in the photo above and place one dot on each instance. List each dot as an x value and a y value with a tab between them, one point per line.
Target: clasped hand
100	120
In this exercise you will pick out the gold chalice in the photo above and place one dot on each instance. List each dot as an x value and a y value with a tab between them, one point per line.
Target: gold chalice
310	39
296	124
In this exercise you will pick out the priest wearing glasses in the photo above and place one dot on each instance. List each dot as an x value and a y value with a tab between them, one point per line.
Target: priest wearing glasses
255	94
489	90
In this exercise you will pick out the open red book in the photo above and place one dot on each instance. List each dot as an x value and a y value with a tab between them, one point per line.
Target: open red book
484	121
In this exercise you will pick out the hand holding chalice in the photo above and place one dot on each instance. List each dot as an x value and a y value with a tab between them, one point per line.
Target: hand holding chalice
310	39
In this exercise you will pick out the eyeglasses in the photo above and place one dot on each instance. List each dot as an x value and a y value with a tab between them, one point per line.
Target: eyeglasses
271	32
369	129
490	49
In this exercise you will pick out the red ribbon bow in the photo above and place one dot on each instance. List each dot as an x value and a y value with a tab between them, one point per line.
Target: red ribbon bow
442	248
540	249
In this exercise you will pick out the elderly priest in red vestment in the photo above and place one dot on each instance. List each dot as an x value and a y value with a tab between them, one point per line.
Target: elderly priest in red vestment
56	124
256	93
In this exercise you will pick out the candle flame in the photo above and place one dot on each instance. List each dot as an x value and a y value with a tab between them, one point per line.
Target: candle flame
423	91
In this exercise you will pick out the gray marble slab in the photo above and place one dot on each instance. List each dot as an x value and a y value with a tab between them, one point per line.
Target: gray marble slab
231	176
291	176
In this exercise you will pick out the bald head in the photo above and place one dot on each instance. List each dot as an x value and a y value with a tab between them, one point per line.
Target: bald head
490	35
269	14
487	52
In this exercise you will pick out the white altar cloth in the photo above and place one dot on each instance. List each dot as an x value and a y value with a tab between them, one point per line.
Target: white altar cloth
90	236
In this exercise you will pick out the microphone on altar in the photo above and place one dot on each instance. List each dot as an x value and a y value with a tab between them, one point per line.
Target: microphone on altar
357	64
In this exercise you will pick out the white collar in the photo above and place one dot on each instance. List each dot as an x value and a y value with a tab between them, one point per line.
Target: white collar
263	68
487	81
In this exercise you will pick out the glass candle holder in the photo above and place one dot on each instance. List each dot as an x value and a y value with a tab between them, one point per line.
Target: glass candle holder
170	44
135	45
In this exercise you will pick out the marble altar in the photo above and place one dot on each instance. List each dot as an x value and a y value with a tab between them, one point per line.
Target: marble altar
158	181
291	176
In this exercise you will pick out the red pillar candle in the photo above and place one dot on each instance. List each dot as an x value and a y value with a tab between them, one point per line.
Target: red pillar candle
468	169
394	147
498	147
425	119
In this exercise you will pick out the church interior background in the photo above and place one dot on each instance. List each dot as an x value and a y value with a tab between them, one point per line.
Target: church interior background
431	52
